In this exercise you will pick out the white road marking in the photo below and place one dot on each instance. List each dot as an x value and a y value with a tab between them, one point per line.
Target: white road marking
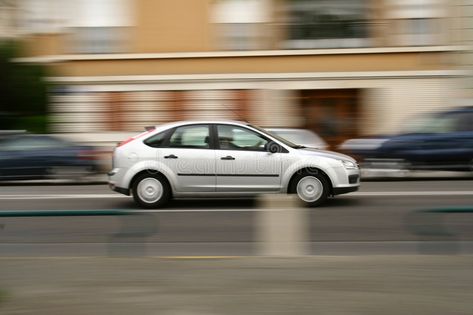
205	210
413	193
60	196
355	194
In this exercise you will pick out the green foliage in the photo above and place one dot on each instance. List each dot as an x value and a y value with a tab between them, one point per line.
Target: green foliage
23	91
36	124
3	296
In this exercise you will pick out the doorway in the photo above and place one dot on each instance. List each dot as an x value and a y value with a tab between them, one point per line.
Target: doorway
332	114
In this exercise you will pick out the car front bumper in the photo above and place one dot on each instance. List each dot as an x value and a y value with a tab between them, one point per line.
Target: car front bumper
344	190
348	181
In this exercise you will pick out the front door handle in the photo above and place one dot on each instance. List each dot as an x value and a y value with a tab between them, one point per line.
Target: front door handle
228	157
172	156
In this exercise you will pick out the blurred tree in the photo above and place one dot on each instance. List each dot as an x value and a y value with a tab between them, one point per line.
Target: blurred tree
3	296
23	91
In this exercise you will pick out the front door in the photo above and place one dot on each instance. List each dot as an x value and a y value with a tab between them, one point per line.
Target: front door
243	164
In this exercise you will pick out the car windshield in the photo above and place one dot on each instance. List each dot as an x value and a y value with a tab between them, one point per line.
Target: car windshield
430	124
285	141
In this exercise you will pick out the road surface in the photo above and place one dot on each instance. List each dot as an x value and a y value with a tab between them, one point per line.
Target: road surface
376	220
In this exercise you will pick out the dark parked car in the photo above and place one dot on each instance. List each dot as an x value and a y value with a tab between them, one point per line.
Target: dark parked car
438	141
27	156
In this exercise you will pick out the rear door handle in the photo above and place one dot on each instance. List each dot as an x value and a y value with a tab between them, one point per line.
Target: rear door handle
228	157
172	156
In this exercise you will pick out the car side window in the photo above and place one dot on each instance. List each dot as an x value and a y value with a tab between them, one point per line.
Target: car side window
194	136
465	122
49	143
238	138
158	140
33	143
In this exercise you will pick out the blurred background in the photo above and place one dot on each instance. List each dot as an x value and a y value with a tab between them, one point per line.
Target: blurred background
389	82
96	72
341	68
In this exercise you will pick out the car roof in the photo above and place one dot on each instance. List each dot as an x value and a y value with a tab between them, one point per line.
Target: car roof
18	136
462	109
465	109
197	121
288	129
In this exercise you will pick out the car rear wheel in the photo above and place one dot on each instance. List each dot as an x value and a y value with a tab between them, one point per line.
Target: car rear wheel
312	189
151	191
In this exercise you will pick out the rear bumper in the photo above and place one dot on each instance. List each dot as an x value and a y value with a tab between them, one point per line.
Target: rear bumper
114	181
120	190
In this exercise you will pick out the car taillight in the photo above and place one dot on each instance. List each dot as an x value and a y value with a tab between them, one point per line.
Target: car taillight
125	142
148	130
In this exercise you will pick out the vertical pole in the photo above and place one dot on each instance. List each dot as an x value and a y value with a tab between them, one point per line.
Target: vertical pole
282	226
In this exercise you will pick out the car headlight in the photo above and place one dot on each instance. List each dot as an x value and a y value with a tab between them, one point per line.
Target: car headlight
349	165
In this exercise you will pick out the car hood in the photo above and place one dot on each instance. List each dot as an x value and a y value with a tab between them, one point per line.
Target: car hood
319	146
326	153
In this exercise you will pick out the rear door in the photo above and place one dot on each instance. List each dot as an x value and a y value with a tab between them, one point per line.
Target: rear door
191	158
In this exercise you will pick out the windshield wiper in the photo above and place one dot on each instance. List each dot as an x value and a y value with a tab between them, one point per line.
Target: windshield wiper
299	146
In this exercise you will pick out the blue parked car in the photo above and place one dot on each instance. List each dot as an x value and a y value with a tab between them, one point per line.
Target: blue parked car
28	156
439	141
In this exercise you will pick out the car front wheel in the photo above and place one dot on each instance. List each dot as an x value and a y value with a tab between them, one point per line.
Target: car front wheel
151	191
312	189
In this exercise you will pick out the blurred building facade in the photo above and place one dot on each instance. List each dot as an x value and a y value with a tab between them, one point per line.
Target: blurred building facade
342	68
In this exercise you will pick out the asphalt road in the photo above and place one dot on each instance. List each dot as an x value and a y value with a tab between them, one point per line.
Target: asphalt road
379	219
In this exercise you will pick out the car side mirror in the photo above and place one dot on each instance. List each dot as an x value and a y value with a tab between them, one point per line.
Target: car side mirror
273	147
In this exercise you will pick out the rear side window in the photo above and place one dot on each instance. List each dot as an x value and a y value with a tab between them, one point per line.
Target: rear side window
158	140
193	136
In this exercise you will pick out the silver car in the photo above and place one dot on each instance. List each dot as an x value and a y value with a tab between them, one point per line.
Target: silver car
225	159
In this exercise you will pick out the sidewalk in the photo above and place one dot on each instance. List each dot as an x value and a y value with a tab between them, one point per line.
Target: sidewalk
308	285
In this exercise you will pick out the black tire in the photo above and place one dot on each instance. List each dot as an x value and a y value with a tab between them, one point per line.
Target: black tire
316	179
146	186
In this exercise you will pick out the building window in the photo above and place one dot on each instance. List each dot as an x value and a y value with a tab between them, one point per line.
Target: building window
100	26
91	26
416	22
417	31
241	36
98	40
43	17
326	24
242	24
